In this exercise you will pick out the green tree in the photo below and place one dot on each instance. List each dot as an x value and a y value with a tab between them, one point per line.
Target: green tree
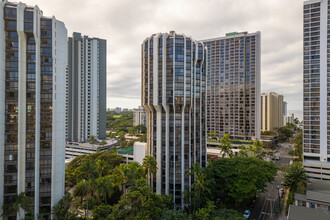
295	176
257	146
200	187
138	203
62	209
149	165
225	146
239	178
101	212
92	139
104	188
20	202
88	172
80	190
102	167
298	142
170	214
242	152
103	142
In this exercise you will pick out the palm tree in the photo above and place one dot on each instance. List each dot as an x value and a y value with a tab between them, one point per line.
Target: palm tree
80	190
20	202
200	184
62	209
294	176
104	188
257	145
119	176
150	166
102	167
92	139
242	152
225	146
88	172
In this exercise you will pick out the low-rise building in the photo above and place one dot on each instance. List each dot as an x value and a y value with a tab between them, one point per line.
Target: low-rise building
303	213
74	149
136	153
317	196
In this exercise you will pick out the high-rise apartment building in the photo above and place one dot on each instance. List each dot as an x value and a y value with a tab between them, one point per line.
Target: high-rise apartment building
285	111
174	96
233	85
271	111
33	62
87	64
139	117
316	128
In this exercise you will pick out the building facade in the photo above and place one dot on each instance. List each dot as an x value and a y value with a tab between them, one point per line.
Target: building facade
289	119
316	135
87	70
33	62
139	117
233	85
271	111
174	97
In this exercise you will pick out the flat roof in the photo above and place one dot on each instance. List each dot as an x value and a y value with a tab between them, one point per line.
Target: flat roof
303	213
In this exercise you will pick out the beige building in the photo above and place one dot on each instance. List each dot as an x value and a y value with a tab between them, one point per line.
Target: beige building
271	111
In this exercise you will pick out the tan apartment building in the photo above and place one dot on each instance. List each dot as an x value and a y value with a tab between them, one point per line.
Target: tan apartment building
271	111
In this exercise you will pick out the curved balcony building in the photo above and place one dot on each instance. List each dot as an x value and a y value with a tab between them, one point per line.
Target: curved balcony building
174	97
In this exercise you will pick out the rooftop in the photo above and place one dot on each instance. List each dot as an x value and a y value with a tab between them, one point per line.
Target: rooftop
303	213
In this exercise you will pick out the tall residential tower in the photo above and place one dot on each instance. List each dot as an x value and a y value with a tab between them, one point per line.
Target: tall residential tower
233	85
174	96
86	113
33	62
316	137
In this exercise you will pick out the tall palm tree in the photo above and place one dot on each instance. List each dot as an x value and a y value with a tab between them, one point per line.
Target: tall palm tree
150	166
104	188
200	184
119	176
88	172
225	146
20	202
80	190
243	151
257	145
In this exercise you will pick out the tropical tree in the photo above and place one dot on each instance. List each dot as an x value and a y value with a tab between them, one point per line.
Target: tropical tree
257	146
103	142
295	176
88	172
242	152
238	179
102	167
92	139
149	165
225	146
80	190
62	209
20	202
200	186
104	188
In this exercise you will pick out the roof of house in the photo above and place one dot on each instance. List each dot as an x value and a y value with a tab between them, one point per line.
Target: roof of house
303	213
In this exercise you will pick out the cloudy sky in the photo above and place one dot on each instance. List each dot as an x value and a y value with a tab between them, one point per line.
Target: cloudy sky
126	23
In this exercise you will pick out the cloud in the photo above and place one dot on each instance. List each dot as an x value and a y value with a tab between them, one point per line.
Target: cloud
126	23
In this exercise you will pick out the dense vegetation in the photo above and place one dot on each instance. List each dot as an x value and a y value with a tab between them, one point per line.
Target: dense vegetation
109	190
119	121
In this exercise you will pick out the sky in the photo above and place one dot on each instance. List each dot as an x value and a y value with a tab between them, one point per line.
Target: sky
126	23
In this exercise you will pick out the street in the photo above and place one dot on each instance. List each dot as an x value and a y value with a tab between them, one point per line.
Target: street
267	204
